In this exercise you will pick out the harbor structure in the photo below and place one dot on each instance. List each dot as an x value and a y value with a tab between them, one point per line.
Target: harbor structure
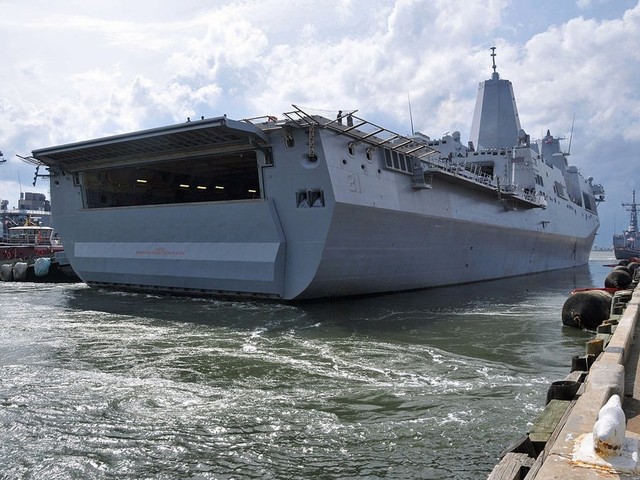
32	209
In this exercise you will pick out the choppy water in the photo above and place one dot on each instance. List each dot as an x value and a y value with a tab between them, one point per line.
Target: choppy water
431	384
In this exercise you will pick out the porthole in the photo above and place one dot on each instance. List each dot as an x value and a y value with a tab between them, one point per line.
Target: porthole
288	140
369	154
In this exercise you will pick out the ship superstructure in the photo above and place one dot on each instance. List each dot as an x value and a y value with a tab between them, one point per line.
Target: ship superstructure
626	245
307	206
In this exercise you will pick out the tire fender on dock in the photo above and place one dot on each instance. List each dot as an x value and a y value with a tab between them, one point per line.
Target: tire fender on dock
41	266
20	271
6	272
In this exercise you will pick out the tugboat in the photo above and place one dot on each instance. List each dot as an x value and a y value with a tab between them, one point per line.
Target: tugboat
33	253
627	244
30	248
28	242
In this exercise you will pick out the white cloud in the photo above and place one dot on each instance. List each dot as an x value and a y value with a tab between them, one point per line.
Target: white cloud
75	69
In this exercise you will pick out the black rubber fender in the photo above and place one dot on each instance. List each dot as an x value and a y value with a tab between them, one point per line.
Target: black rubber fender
587	309
618	279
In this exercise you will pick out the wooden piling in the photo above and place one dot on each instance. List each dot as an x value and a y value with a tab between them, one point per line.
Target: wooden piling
595	346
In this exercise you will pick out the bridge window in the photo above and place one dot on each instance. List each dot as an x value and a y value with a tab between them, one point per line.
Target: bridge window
400	162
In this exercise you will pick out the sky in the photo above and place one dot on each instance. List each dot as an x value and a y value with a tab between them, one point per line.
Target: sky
73	70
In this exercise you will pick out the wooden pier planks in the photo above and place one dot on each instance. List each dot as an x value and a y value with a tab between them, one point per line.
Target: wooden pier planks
514	466
547	422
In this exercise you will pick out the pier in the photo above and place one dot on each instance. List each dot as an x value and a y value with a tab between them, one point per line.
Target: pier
553	448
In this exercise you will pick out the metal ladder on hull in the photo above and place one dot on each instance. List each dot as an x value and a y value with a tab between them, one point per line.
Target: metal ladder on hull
361	130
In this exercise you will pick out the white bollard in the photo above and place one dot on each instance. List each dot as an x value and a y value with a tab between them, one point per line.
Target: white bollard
609	448
608	431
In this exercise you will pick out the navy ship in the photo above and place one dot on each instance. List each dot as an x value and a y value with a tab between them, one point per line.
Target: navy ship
626	245
304	206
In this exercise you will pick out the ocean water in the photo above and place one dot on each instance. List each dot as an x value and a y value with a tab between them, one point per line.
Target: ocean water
431	384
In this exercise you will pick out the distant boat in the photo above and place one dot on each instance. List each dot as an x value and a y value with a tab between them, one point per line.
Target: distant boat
627	244
27	243
308	206
26	232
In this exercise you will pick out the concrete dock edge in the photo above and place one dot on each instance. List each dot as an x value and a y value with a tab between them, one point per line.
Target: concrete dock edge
606	377
616	370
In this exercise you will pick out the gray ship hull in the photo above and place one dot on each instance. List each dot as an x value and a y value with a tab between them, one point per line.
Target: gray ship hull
193	248
241	249
622	253
412	252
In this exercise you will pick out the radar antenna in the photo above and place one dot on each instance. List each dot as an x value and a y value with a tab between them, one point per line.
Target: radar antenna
571	135
493	58
410	114
633	210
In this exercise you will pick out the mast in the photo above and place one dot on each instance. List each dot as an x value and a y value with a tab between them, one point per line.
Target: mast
493	59
632	208
495	119
410	114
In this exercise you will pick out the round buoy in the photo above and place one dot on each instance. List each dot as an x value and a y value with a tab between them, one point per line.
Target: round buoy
586	309
633	266
624	262
617	279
